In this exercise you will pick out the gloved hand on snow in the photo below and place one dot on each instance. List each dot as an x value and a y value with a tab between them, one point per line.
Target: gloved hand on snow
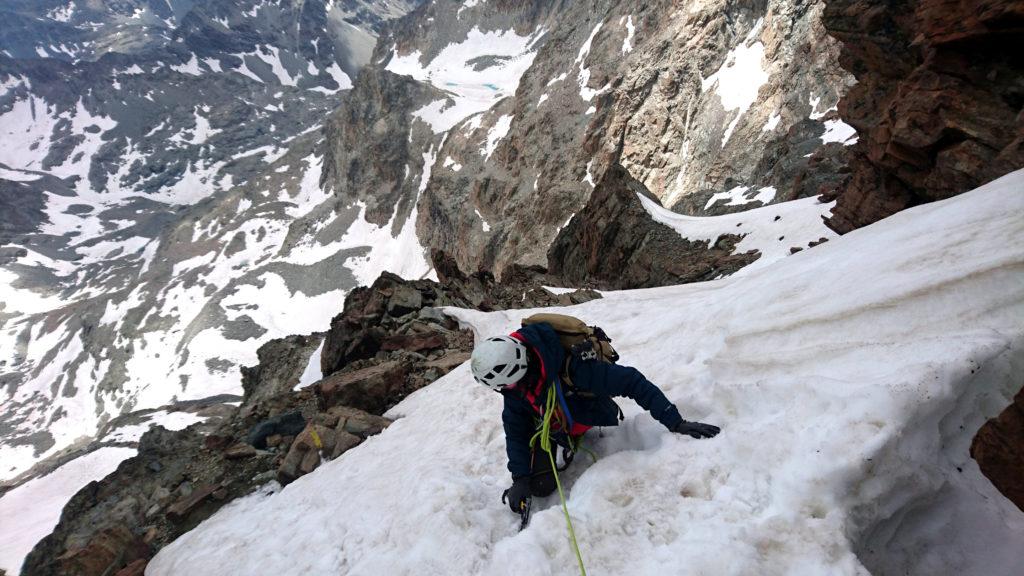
696	429
517	494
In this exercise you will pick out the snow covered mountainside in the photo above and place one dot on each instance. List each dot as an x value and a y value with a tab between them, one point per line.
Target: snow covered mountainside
172	203
847	415
123	125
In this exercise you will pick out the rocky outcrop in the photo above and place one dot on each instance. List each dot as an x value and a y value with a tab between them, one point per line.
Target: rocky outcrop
396	318
281	363
613	243
937	103
374	143
337	431
999	450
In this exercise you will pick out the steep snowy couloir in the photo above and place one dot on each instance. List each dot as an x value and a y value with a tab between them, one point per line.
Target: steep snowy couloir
848	380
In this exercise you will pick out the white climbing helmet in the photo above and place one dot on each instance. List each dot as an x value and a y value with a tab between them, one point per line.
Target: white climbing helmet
499	361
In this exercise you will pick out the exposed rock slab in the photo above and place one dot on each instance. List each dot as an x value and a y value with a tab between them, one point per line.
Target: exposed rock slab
613	243
999	450
937	104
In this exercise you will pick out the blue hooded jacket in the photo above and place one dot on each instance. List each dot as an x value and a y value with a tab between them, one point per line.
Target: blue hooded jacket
598	381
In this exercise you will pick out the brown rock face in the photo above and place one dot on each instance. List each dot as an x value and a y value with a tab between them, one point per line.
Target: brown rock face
999	450
372	389
182	508
614	244
937	104
106	551
414	342
137	568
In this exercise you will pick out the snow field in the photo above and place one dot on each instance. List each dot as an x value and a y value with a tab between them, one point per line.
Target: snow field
157	356
737	196
471	90
845	412
771	230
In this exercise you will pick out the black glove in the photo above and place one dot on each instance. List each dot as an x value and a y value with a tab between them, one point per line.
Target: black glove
696	429
518	494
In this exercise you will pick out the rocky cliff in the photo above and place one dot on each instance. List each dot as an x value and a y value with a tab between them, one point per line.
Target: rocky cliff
999	450
711	98
938	101
613	243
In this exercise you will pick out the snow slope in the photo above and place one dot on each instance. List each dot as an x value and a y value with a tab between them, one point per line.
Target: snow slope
848	379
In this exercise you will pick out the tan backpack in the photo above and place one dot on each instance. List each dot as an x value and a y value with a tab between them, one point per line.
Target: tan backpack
589	342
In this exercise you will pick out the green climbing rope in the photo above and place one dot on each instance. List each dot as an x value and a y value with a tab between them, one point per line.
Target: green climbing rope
544	435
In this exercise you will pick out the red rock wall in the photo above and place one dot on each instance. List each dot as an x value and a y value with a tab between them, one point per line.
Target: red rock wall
999	451
937	104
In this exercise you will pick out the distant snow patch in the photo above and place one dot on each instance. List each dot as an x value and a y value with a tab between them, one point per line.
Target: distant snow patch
737	196
558	291
483	221
60	14
772	122
495	134
272	56
339	76
739	79
465	5
191	67
312	373
558	78
771	230
449	163
839	131
169	420
303	314
813	102
586	92
589	178
456	70
627	44
18	175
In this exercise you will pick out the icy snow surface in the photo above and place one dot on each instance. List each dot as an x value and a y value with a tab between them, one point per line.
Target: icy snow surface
37	504
848	380
495	134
